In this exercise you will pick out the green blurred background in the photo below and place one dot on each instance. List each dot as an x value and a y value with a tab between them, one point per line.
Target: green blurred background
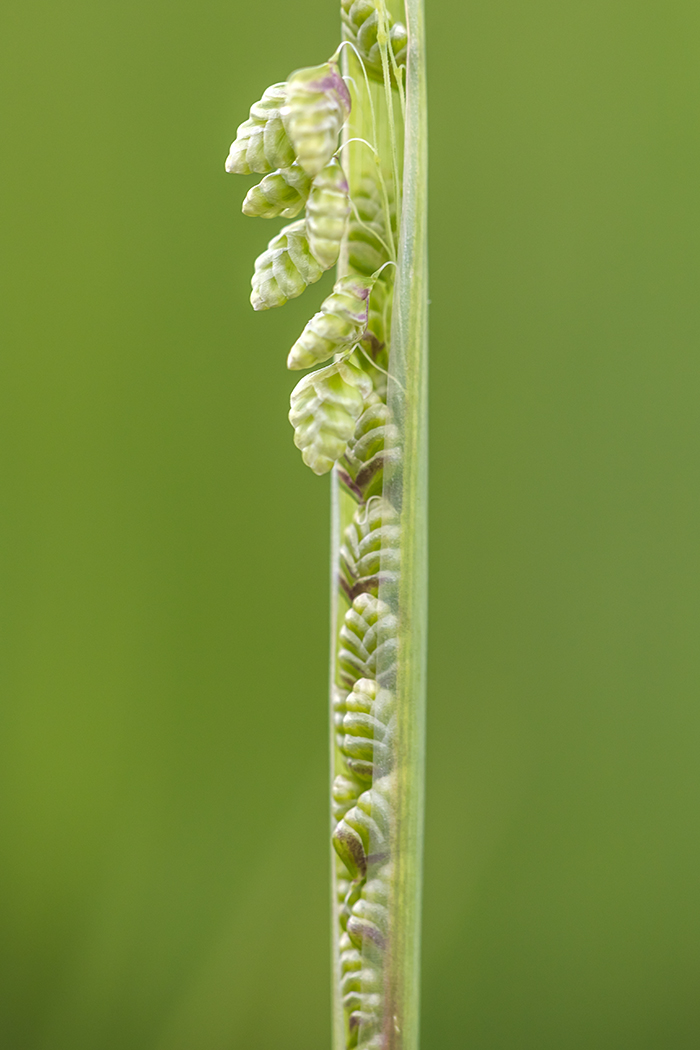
164	551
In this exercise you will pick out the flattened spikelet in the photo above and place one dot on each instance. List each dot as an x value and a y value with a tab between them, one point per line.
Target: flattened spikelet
261	142
340	322
327	213
285	270
281	194
318	103
324	408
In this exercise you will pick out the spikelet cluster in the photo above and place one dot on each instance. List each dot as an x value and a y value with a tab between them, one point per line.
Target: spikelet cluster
361	26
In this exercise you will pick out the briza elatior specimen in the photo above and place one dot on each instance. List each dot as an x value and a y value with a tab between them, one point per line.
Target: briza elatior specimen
345	143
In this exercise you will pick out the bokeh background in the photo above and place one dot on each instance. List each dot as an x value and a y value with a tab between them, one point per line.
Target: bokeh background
164	551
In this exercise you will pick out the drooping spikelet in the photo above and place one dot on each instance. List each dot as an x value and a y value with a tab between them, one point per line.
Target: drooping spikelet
317	105
283	194
327	213
324	407
261	142
285	269
361	27
340	322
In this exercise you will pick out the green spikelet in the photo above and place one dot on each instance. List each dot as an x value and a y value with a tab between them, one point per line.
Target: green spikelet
324	408
317	106
281	194
367	641
345	794
327	213
368	236
365	827
285	270
261	142
361	27
367	729
339	324
369	919
372	454
370	554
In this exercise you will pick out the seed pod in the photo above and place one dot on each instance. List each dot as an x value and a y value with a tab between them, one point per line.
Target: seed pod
282	193
370	555
365	827
285	269
367	642
361	27
317	106
324	408
261	142
339	324
373	454
327	213
368	729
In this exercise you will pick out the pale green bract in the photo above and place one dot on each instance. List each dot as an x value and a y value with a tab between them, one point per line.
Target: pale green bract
324	408
317	105
282	194
338	325
285	270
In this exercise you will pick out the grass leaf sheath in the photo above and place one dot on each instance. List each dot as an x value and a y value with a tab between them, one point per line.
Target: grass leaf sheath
346	141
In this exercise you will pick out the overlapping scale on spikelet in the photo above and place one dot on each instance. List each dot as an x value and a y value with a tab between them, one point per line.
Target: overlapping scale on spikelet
285	269
367	641
327	211
316	107
339	324
361	26
261	142
361	990
370	552
325	406
365	829
283	194
373	454
367	729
